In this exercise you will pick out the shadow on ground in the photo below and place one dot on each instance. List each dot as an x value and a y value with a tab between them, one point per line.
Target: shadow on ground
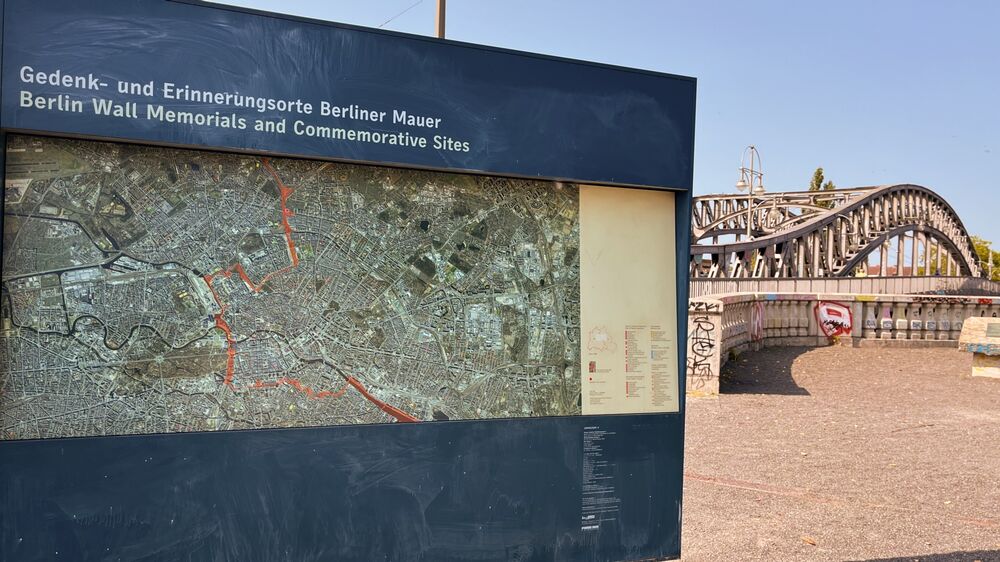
769	373
964	556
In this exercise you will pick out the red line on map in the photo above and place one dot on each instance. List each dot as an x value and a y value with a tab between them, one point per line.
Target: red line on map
220	321
297	385
391	410
285	191
221	324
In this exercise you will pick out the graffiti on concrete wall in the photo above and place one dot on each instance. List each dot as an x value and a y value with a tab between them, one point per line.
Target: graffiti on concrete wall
757	321
870	322
703	306
886	321
701	346
834	318
933	299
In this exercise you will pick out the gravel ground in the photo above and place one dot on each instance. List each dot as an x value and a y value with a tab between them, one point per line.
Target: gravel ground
839	453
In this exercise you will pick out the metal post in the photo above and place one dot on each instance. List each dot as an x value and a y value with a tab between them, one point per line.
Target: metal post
750	198
440	19
900	254
749	214
940	258
748	178
883	265
927	253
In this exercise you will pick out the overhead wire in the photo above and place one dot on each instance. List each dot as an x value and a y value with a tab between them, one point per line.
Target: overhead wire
414	5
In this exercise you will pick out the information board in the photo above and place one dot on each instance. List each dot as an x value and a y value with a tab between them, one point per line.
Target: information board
208	291
468	350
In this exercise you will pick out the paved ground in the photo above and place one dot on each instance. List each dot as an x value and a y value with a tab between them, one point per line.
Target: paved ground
845	454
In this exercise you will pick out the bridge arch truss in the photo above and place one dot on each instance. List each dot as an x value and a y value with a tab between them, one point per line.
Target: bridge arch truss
815	234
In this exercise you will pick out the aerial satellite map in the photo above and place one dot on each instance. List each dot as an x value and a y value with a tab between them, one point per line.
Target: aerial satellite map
151	290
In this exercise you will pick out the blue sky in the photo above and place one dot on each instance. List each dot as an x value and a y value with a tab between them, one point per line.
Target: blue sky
876	92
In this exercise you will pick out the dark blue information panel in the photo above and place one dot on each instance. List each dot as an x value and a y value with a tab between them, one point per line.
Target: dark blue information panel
172	72
509	490
111	296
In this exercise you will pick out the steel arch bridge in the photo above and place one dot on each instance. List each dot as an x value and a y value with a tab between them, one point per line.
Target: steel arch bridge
816	234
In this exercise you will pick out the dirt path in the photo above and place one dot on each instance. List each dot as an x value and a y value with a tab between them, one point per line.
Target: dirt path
845	454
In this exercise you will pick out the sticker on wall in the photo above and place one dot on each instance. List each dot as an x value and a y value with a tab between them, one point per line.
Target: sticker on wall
834	319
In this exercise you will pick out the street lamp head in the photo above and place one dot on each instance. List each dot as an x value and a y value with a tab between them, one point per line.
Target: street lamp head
759	189
742	185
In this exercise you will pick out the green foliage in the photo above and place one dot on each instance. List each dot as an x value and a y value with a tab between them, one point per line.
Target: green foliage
982	247
817	184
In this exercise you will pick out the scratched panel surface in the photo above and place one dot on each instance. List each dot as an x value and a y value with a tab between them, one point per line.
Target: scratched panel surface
520	114
502	490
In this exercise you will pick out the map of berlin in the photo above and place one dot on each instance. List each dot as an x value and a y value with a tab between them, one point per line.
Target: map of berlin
150	290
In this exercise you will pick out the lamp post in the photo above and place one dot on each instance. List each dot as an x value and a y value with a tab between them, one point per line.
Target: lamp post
751	180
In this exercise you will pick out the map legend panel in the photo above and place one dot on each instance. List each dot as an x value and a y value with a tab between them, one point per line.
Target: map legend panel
627	317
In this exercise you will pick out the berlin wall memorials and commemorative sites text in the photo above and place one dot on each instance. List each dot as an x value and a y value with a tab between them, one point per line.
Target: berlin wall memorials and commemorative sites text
103	98
150	290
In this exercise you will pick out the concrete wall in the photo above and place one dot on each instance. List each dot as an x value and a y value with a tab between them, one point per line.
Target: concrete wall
863	285
722	326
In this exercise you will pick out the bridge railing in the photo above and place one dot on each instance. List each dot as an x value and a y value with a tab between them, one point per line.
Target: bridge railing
723	326
861	285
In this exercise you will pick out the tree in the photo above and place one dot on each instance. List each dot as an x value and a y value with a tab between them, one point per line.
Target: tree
817	184
983	247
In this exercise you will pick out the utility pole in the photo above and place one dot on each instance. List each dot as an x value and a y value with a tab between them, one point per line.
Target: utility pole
440	19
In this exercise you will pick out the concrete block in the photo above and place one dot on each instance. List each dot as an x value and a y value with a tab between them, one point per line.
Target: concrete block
986	365
981	336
